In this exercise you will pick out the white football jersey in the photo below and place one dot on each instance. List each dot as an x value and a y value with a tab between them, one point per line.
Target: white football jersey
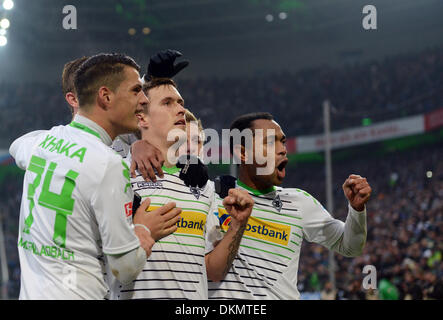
76	207
266	265
176	268
122	144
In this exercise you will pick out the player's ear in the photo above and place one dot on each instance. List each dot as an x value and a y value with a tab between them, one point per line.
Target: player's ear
71	98
104	97
143	121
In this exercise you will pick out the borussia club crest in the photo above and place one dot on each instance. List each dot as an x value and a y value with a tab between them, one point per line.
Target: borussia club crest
276	203
195	191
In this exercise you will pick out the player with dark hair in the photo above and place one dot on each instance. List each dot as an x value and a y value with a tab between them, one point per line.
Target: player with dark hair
68	88
176	268
146	158
77	198
267	261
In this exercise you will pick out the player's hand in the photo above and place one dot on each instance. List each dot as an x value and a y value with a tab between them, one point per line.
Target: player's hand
145	237
161	65
162	221
194	172
146	158
146	240
357	190
238	203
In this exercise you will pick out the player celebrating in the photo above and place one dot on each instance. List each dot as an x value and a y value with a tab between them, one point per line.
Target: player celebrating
77	196
148	157
176	268
267	261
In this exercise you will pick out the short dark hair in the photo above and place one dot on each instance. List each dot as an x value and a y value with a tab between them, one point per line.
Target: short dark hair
245	121
68	77
68	74
156	82
101	69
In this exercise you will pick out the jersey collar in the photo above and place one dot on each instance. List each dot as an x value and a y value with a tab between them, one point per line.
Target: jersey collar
254	191
89	126
171	170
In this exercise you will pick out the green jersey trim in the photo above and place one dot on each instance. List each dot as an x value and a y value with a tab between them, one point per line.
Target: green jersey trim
181	244
183	209
254	248
171	170
188	235
178	199
266	242
280	214
84	128
254	191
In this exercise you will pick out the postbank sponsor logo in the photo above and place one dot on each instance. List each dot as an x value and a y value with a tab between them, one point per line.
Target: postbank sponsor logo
191	222
259	229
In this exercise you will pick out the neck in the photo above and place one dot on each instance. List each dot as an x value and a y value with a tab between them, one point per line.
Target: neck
160	145
251	180
98	118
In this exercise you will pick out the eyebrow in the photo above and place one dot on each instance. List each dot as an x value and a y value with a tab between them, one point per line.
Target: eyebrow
136	86
179	100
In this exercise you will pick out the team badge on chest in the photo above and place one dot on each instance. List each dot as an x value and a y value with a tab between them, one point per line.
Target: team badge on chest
195	191
276	203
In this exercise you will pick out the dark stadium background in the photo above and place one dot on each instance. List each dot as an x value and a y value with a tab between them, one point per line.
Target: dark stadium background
242	62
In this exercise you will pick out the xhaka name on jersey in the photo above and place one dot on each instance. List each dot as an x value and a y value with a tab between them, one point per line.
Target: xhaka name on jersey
69	149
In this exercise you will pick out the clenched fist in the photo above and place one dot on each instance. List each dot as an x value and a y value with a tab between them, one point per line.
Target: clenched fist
238	203
357	190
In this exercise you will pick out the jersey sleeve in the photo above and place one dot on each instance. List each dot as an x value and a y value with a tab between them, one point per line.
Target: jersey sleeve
21	149
320	227
112	203
213	230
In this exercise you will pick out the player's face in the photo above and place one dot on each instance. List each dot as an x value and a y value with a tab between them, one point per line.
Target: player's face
127	101
194	141
274	147
165	111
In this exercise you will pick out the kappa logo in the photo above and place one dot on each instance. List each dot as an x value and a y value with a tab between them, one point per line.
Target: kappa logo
150	185
195	191
277	203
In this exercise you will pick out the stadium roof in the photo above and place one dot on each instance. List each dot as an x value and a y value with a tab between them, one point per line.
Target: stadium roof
221	37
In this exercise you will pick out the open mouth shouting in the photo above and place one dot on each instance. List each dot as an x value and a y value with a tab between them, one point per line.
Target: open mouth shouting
281	171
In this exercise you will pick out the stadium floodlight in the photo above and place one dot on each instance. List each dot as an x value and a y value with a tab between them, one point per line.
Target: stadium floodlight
269	17
4	23
2	32
3	41
429	174
8	4
282	15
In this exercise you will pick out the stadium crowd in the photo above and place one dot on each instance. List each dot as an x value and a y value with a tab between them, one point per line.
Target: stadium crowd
405	226
395	87
405	214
